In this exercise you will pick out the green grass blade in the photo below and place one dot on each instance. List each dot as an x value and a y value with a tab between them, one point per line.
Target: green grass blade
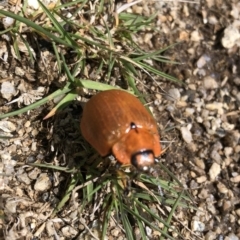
126	223
126	208
57	57
63	33
38	103
151	55
36	27
140	225
89	188
6	30
16	48
89	84
108	212
50	166
32	58
62	104
67	71
176	204
71	186
157	72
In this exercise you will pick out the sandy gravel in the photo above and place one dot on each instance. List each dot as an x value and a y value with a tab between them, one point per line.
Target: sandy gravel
199	122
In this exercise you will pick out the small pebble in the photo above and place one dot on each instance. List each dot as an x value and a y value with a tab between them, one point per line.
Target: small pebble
189	111
186	134
19	71
43	183
222	188
235	179
216	156
45	196
11	206
220	132
149	231
23	177
203	194
231	36
209	83
8	22
235	12
232	218
214	171
34	146
193	174
228	126
238	212
33	4
201	179
147	37
31	159
210	236
227	205
232	236
115	232
50	228
228	151
181	104
202	61
173	94
69	232
183	35
33	174
237	81
211	208
200	163
7	126
8	90
215	106
197	226
212	20
196	36
217	146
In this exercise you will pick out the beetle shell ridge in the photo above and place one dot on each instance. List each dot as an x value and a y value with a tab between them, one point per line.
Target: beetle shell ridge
115	122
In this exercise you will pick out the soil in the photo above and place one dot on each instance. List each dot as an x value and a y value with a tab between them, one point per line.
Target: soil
199	123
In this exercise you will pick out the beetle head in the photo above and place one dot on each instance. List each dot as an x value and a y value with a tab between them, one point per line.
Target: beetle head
143	160
138	147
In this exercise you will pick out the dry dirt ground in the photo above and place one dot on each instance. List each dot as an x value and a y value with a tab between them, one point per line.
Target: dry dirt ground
201	120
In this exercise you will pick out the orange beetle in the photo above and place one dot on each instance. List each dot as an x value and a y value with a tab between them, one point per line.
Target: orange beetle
115	122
